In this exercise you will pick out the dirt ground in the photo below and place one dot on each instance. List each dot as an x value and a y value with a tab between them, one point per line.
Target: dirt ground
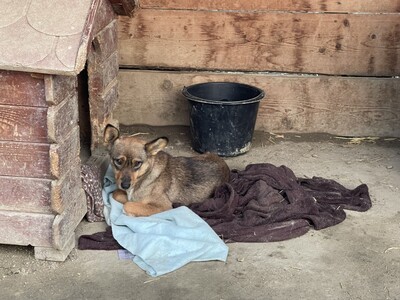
357	259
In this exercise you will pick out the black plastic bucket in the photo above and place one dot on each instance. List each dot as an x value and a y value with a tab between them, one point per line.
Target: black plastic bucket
222	116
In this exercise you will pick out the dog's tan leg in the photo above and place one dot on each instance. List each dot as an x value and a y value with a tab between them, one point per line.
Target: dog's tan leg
142	209
120	196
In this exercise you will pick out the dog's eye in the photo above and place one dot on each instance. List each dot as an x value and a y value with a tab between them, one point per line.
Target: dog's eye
137	164
118	162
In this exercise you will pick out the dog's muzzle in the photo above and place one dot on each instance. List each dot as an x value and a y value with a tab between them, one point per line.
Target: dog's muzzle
125	183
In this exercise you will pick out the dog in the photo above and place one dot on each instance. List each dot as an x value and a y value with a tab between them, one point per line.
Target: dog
149	180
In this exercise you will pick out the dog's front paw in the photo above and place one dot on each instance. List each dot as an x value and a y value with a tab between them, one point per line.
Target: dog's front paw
120	196
130	209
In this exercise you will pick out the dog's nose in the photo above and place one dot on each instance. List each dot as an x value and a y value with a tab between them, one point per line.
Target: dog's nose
125	183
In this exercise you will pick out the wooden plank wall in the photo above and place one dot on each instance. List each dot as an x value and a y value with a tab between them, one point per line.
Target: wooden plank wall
326	66
25	213
39	159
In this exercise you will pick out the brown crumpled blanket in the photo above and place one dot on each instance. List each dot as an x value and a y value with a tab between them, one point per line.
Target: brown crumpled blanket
265	203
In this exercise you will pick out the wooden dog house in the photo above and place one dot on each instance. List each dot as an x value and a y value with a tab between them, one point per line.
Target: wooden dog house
58	58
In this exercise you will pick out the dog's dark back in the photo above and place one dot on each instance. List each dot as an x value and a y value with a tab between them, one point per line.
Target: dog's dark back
194	179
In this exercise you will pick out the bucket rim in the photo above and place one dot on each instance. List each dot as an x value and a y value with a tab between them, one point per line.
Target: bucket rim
191	97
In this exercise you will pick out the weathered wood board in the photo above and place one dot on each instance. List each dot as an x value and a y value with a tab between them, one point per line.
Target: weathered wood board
39	160
123	7
105	42
63	156
58	88
24	159
102	70
67	189
18	88
24	228
65	224
103	17
348	106
338	44
25	194
41	195
62	118
381	6
23	123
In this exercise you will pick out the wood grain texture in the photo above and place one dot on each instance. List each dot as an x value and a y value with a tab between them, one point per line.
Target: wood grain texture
24	159
340	44
63	156
62	117
40	195
102	93
25	194
105	42
58	87
103	16
49	253
22	228
65	224
21	123
64	190
346	106
39	160
102	75
19	88
382	6
123	7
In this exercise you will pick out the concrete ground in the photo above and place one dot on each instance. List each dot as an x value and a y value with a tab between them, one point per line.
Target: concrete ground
357	259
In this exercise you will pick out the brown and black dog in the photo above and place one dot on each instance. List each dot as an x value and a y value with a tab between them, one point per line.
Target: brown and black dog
150	180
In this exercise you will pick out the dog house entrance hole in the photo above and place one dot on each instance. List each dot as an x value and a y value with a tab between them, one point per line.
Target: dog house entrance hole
84	115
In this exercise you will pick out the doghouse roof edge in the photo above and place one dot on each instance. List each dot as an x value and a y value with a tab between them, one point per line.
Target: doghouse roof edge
46	36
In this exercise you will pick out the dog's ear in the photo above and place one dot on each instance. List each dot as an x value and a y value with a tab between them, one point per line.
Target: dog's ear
156	146
111	133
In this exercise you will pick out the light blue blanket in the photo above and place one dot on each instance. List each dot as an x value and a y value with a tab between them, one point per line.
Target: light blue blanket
162	242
